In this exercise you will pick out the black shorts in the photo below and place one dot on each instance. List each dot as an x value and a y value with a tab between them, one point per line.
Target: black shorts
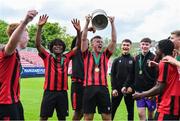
77	91
54	100
96	96
11	111
164	117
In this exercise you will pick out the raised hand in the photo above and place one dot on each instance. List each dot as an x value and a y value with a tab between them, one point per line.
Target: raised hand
30	16
111	19
88	18
42	20
92	29
76	24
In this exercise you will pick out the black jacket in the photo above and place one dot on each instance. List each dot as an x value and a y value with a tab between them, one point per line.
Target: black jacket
78	65
122	72
147	79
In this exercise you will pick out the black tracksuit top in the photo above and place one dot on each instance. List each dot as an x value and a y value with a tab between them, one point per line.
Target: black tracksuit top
122	72
147	79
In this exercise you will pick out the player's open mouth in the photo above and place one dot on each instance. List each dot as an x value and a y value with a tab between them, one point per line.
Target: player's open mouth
125	49
100	46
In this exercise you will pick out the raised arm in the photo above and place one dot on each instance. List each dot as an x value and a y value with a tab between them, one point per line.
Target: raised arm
84	40
77	26
42	21
112	44
17	34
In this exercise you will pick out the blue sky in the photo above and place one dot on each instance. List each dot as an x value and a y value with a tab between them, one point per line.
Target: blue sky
134	19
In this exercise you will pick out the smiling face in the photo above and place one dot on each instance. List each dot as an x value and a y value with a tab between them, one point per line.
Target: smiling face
125	47
57	46
57	49
97	44
176	40
145	46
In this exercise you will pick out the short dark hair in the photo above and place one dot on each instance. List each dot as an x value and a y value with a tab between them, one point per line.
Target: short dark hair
146	39
176	32
166	46
97	36
56	41
127	40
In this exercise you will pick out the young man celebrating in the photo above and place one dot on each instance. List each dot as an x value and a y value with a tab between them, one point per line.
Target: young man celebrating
145	78
10	66
56	75
122	78
95	67
168	107
77	76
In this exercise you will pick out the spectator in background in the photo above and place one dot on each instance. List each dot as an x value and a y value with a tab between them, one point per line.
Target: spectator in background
56	75
122	79
145	77
10	66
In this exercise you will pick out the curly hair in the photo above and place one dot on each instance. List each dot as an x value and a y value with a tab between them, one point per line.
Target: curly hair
55	42
166	46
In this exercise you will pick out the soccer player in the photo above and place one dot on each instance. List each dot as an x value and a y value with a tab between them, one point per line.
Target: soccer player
175	38
168	107
95	67
10	66
77	88
122	78
56	75
145	78
77	75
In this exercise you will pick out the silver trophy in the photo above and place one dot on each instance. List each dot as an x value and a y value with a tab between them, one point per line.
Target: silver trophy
99	19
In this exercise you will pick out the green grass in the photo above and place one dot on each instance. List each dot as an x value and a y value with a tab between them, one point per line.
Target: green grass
31	96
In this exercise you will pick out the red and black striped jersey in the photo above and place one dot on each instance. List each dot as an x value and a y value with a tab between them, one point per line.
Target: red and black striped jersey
9	77
177	85
91	76
56	70
168	102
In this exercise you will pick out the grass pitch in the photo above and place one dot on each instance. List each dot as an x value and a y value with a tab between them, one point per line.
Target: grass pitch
31	97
